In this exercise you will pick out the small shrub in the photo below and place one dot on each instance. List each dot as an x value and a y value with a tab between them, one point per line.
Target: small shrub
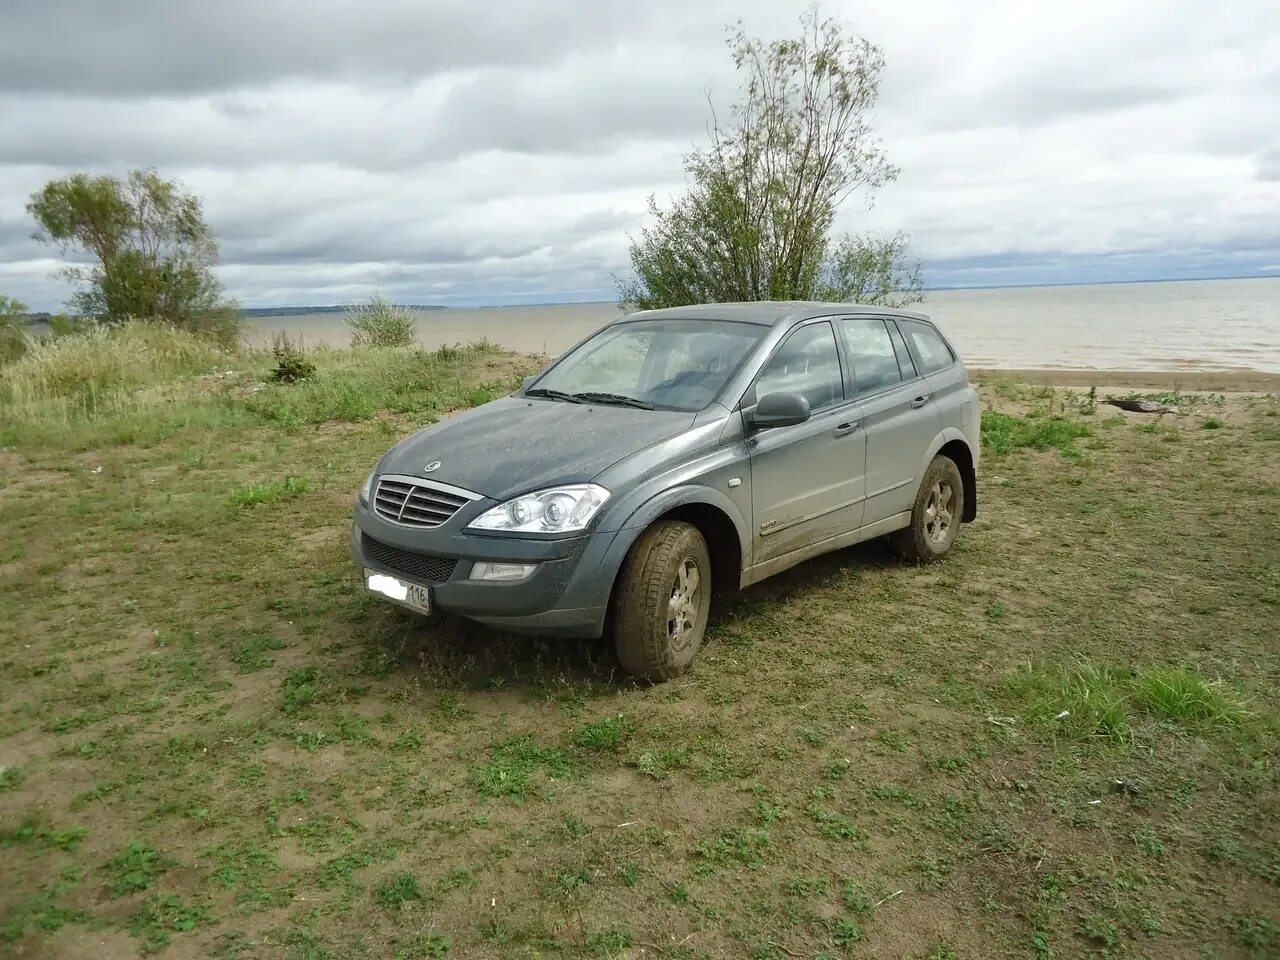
161	916
10	778
1213	423
1148	841
432	944
13	330
134	869
380	323
1178	693
606	734
291	365
301	690
61	325
1253	929
395	892
1099	929
846	933
609	942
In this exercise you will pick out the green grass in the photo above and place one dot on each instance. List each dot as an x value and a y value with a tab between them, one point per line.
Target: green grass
607	734
1099	699
513	766
160	917
1003	432
257	494
142	384
394	893
135	869
216	744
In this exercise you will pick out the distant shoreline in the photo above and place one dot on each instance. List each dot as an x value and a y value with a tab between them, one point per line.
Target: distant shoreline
1190	381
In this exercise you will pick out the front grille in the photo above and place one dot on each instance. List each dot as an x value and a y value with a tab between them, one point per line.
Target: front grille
415	505
423	567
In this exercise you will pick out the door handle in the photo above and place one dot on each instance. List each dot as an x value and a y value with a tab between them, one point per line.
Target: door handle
844	429
919	402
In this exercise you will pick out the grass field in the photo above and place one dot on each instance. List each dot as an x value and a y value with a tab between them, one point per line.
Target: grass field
1059	742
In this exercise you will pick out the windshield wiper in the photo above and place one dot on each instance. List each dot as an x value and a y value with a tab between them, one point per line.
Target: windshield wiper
552	394
618	399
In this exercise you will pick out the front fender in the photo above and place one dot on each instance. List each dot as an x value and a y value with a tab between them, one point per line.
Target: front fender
591	586
668	500
650	510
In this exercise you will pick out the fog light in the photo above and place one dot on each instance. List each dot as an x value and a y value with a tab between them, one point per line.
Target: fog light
501	571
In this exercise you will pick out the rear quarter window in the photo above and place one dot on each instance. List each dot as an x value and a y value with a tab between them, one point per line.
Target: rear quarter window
929	347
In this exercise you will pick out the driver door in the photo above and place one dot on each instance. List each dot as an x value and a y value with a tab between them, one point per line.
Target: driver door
808	480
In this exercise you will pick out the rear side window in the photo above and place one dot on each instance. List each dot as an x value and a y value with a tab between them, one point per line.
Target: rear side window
932	350
807	363
875	364
905	363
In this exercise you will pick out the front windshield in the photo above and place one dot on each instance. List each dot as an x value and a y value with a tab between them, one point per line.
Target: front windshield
669	364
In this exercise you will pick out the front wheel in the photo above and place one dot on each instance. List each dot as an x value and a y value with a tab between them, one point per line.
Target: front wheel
935	516
662	601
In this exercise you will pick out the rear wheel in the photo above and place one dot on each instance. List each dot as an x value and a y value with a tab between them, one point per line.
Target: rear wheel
662	601
935	515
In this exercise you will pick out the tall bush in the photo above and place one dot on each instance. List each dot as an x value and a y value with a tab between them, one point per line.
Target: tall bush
380	323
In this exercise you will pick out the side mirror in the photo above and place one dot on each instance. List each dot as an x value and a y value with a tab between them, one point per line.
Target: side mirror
527	382
780	410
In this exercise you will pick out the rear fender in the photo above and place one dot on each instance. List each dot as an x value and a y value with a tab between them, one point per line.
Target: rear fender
967	471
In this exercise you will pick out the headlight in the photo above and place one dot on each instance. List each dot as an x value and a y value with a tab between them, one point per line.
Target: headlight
367	490
557	510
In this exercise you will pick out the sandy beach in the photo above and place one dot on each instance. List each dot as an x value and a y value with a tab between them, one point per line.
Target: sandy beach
1120	381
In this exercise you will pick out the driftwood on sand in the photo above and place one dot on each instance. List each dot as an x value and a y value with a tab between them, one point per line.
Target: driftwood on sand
1140	406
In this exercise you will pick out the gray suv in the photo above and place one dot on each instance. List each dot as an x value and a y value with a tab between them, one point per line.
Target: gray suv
670	454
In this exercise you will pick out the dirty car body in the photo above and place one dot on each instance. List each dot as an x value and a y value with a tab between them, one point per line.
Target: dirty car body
858	402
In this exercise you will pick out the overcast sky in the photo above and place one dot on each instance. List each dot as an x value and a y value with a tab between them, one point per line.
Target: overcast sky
497	152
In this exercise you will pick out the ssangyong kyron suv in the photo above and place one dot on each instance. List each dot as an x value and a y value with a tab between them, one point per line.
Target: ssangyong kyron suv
671	453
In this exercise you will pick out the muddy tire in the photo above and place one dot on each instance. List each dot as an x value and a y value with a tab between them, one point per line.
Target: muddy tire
661	601
935	516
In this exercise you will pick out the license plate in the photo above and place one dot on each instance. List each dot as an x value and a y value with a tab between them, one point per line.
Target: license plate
412	595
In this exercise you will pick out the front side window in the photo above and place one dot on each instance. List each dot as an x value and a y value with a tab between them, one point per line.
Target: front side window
932	350
875	364
669	364
807	363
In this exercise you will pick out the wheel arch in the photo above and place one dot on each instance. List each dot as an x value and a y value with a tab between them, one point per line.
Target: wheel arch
953	444
716	517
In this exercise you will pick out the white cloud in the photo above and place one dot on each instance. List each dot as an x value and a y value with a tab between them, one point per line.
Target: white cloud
448	156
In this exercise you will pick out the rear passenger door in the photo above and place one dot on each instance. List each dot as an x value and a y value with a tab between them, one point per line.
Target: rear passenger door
945	375
899	419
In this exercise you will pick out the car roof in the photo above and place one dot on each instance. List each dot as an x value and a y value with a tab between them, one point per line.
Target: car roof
768	312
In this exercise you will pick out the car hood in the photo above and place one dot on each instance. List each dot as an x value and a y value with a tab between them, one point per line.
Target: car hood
517	444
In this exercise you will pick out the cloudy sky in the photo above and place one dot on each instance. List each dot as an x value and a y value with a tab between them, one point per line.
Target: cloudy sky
499	152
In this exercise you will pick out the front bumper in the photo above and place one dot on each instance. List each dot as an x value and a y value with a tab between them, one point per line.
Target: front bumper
566	595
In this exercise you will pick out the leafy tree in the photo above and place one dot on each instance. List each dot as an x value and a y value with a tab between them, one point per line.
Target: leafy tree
755	222
154	252
13	332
